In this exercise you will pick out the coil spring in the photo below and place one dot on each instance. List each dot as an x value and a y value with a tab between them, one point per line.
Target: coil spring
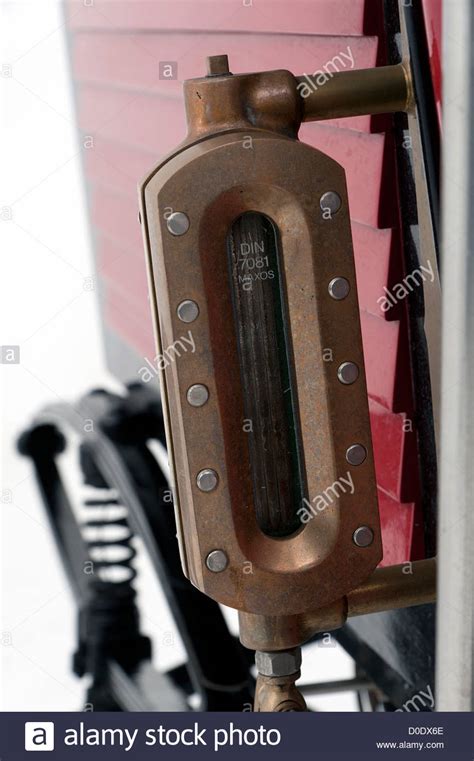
109	619
108	537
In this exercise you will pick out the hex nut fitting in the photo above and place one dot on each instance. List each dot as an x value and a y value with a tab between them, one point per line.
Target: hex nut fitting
278	663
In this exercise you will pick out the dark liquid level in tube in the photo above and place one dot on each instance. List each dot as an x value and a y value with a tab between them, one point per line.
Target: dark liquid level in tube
265	357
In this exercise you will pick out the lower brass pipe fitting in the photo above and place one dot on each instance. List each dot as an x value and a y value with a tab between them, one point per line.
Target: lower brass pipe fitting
277	673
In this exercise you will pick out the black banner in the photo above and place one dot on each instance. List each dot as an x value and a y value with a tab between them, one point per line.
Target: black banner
231	736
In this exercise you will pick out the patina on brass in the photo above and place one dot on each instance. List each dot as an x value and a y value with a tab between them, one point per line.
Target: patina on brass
399	586
284	180
242	155
280	102
278	694
383	90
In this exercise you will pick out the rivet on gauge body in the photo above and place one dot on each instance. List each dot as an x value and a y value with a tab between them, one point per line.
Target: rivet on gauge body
187	311
177	223
207	479
217	561
356	454
339	288
348	373
363	536
197	395
330	201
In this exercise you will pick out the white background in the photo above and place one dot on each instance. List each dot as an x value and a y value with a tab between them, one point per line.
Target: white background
49	313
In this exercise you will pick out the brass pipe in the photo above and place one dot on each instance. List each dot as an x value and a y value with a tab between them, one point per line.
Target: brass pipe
278	101
398	586
386	89
278	694
267	633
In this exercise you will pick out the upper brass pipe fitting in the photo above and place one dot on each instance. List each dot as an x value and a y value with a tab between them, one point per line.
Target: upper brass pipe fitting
386	89
279	102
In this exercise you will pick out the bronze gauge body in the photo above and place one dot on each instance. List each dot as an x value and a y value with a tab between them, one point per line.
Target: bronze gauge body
250	258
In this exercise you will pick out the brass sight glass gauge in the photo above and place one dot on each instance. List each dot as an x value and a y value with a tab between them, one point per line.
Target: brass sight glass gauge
249	252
